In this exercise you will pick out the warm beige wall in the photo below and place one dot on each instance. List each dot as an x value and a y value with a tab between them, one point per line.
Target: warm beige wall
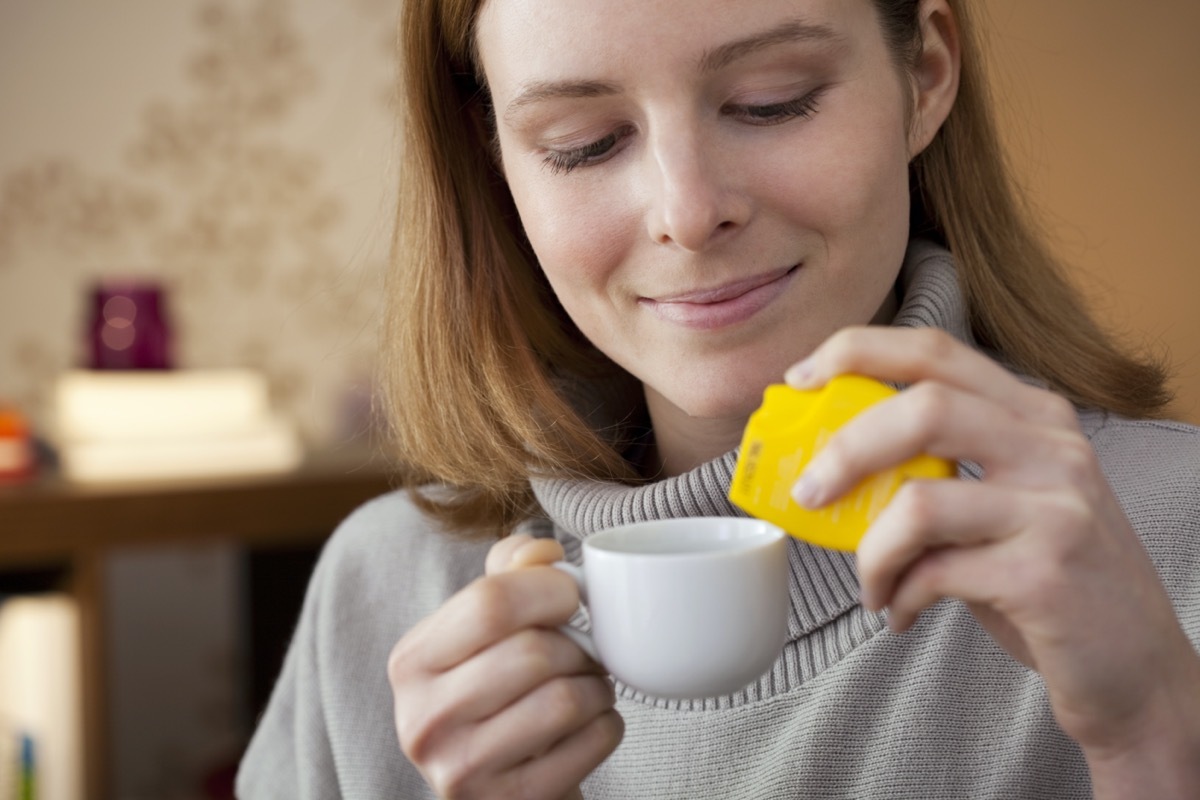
1100	101
238	151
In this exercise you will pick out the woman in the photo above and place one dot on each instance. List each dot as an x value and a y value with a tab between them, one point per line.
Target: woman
621	221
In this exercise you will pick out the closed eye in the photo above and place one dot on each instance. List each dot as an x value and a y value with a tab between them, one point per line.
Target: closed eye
563	161
774	113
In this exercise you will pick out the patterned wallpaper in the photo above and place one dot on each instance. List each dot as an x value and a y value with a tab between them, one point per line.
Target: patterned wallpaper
239	151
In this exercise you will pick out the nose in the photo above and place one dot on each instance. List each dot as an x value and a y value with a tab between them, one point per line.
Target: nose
694	202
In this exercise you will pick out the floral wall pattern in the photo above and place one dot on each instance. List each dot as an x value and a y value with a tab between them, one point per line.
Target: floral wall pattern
233	190
240	152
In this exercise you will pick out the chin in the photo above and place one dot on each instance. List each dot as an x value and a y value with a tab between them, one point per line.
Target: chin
720	403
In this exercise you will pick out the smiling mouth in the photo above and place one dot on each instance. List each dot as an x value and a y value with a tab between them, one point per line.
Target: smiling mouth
720	307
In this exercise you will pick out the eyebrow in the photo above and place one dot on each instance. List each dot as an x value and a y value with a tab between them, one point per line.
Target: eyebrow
536	91
796	30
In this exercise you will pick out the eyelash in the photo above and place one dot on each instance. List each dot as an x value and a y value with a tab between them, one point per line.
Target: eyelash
563	161
775	113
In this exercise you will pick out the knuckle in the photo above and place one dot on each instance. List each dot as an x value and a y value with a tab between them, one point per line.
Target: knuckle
421	727
458	773
870	563
1078	461
930	406
416	733
423	724
1058	409
404	662
919	505
449	780
842	340
935	344
1070	516
603	734
499	554
566	701
835	453
532	653
840	348
611	729
398	662
492	604
929	575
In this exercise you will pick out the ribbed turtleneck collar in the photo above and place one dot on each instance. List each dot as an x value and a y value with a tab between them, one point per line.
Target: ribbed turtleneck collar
823	583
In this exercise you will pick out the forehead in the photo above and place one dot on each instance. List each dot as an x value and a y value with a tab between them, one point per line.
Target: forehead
519	40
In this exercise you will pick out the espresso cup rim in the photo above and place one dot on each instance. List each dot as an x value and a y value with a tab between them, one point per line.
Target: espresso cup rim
765	535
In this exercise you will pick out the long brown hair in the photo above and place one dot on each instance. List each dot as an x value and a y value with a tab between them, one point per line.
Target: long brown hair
477	350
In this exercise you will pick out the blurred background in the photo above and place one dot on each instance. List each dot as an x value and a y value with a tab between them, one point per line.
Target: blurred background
207	185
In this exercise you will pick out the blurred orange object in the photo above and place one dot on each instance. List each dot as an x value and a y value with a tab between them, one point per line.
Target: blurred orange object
16	445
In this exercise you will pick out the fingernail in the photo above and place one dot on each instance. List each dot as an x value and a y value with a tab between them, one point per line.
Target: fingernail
807	491
800	376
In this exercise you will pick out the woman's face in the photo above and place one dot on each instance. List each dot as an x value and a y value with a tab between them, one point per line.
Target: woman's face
711	187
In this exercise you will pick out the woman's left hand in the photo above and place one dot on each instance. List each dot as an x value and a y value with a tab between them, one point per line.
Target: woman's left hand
1040	549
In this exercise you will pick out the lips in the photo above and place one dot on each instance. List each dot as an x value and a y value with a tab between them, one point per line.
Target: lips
721	306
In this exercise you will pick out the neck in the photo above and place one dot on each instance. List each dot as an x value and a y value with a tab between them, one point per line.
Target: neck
682	443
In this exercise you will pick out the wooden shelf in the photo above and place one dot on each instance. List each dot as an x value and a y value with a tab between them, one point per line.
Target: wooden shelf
50	519
50	522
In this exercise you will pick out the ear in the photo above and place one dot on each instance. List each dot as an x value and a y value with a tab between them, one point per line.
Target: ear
935	74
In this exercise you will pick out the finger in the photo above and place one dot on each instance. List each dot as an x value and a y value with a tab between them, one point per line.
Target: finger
488	610
945	422
535	723
565	765
989	578
501	552
510	669
927	516
536	552
948	572
912	355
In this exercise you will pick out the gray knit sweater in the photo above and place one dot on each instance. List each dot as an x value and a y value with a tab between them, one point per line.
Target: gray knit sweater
850	710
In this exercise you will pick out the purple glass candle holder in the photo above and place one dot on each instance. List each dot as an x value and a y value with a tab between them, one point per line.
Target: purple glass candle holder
128	327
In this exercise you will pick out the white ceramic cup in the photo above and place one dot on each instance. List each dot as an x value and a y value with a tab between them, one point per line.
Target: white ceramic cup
684	608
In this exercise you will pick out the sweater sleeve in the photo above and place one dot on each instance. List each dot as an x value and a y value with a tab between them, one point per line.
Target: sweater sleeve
1154	467
290	754
328	729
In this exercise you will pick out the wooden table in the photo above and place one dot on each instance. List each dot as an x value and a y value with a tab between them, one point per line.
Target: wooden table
50	523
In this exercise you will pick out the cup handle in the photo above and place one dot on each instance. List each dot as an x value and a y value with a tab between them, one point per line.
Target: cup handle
584	640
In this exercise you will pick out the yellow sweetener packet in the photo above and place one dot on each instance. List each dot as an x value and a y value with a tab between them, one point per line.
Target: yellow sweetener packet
783	435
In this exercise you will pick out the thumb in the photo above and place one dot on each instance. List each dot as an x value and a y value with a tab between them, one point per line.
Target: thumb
535	553
501	554
522	550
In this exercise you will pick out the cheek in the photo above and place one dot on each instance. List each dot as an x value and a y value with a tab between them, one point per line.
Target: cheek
849	176
579	236
858	186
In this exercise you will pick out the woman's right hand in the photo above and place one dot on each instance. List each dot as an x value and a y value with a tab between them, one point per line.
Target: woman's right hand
491	700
